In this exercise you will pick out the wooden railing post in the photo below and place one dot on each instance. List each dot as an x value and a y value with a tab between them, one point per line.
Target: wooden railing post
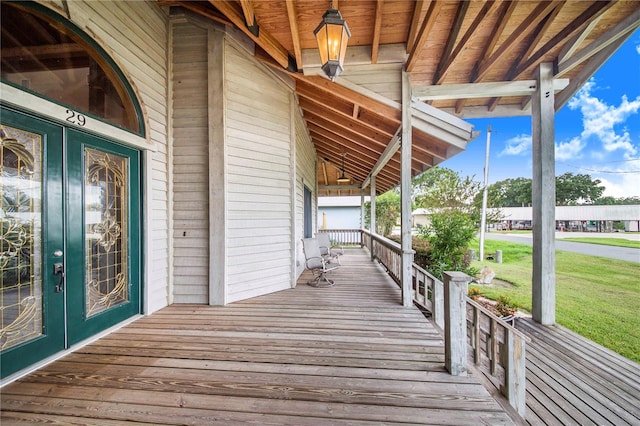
455	326
515	382
437	293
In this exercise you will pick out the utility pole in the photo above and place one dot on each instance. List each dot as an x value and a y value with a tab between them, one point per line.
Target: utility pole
485	193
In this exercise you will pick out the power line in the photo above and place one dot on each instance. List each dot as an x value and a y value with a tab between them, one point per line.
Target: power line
600	171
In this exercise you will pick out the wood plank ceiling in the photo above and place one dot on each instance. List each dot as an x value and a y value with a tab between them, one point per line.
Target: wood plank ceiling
466	58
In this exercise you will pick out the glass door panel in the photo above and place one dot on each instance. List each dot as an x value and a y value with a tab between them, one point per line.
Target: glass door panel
31	242
103	222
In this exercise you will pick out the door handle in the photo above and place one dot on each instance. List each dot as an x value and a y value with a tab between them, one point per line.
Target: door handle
58	269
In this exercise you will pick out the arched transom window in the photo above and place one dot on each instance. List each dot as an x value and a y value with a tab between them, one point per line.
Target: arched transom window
43	54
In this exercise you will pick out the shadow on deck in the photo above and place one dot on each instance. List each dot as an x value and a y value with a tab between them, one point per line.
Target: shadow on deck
350	354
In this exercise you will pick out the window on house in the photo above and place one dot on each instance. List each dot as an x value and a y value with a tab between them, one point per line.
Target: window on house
308	214
42	54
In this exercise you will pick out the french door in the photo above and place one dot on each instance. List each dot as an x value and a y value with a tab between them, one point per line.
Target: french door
70	237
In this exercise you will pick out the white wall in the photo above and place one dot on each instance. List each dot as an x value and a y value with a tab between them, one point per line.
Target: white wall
190	174
258	177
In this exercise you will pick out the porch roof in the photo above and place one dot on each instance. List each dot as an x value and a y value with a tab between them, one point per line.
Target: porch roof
466	59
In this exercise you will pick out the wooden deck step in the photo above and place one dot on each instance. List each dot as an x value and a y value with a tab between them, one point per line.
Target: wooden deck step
572	380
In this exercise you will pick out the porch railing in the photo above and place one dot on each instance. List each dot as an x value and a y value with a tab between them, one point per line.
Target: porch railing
496	348
344	237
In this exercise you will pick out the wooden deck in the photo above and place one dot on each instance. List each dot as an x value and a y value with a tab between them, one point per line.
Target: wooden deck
573	381
350	354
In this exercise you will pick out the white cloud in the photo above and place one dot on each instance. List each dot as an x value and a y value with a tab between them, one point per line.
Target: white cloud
638	49
569	150
599	120
517	145
621	180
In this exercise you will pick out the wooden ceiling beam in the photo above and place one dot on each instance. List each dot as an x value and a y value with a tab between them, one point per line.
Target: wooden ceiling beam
295	32
415	23
627	26
359	146
332	89
445	63
265	40
575	26
250	17
517	36
324	173
427	24
535	38
461	12
344	122
572	45
375	44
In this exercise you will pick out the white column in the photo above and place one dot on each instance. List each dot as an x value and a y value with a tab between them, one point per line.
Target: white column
373	213
405	192
361	212
544	198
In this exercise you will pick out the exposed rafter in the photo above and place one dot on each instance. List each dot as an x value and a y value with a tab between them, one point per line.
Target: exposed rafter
461	13
267	42
572	45
578	24
389	152
423	34
415	23
295	33
523	30
250	17
630	24
375	44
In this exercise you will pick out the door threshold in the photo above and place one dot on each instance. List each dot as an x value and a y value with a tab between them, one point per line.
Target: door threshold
24	372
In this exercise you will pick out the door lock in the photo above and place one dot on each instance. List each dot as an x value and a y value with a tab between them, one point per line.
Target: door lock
58	269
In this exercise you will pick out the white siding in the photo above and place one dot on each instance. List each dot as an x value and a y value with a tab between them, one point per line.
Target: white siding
258	150
134	34
305	175
190	163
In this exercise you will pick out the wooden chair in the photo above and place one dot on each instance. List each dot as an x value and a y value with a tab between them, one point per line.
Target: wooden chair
317	264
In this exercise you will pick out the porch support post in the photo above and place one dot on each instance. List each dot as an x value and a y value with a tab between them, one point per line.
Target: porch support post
405	193
361	215
372	215
544	198
217	183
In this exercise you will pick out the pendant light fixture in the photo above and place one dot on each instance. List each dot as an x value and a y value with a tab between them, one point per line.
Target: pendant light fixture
332	35
343	178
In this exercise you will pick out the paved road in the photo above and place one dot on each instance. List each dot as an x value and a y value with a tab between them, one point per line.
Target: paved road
621	253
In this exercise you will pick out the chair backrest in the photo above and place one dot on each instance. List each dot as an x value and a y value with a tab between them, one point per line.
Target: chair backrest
312	253
324	242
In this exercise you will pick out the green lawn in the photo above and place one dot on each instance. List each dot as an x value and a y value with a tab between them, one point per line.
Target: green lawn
619	242
596	297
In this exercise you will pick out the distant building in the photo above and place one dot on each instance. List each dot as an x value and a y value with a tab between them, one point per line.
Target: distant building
339	213
584	218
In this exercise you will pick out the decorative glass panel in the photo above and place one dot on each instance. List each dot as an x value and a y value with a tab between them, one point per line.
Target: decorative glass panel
106	227
21	237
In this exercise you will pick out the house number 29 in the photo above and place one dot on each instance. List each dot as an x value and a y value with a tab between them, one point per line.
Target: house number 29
75	118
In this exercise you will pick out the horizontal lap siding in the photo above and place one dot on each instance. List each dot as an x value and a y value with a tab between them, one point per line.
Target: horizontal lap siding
134	34
258	177
190	164
305	174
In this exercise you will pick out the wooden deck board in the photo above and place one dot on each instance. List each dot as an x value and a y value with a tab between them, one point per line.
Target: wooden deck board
350	354
571	380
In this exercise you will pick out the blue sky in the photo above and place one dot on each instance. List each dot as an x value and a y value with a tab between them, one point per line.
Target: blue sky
597	132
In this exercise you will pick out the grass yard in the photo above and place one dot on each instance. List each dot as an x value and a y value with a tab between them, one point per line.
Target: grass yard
596	297
619	242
